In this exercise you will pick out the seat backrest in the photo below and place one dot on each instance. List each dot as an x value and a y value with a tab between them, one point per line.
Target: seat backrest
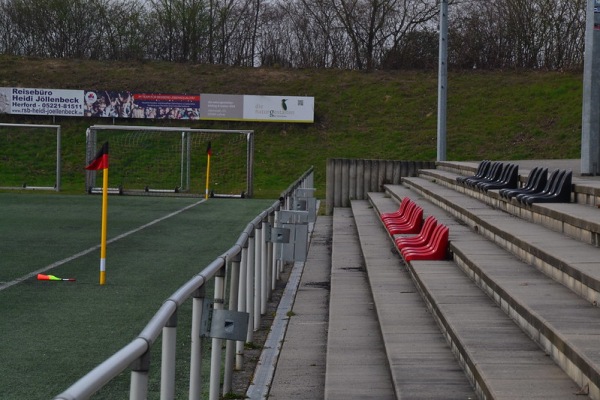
483	168
551	181
441	244
428	225
503	177
557	180
403	204
533	175
563	191
541	180
513	176
498	172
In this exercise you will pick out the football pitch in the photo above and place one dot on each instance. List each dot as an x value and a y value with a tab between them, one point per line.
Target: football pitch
55	332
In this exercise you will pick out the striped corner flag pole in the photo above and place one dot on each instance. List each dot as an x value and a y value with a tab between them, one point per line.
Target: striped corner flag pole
101	163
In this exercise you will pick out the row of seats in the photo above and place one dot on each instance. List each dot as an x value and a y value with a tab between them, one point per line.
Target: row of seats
539	188
492	175
430	241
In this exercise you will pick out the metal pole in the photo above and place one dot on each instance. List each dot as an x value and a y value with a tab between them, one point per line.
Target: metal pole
196	350
239	359
442	81
265	284
138	389
257	276
590	127
215	355
250	287
169	351
234	284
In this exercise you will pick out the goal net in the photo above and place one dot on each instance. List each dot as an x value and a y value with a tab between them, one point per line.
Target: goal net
30	156
167	160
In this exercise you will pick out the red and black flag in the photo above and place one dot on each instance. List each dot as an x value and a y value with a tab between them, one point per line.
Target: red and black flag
101	160
209	149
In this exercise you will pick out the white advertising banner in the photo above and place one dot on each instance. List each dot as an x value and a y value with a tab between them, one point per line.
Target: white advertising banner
43	101
279	108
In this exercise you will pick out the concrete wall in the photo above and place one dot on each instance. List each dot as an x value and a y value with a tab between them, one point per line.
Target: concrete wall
352	179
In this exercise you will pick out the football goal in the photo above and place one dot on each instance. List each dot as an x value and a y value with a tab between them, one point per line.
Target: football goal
173	161
30	156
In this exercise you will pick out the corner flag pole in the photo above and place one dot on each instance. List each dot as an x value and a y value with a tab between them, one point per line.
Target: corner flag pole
208	154
101	163
104	224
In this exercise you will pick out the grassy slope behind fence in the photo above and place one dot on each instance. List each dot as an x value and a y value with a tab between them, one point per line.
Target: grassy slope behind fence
54	332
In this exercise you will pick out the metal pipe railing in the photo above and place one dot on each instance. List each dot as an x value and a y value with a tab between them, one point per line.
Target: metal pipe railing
250	265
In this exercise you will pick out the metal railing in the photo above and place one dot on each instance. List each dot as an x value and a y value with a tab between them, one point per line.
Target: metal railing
252	267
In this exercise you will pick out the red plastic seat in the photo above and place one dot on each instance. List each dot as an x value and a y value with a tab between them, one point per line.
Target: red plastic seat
422	238
430	245
435	250
398	213
413	225
404	218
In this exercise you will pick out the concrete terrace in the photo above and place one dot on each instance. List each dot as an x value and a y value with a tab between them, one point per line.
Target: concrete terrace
512	313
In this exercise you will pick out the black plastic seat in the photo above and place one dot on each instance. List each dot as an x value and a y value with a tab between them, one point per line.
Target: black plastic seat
536	181
549	188
480	173
560	194
509	179
493	174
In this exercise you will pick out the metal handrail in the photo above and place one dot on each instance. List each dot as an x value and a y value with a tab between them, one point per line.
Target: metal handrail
134	354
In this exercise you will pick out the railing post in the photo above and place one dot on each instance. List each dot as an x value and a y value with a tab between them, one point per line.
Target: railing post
234	281
139	378
169	349
265	274
270	254
250	286
196	346
239	359
257	276
215	356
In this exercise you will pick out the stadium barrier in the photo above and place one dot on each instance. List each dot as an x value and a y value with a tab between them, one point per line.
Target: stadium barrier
352	179
251	268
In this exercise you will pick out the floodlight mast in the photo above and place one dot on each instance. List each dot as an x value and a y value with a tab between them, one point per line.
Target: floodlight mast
590	126
442	82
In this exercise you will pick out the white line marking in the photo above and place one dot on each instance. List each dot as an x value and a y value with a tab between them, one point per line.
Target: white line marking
49	267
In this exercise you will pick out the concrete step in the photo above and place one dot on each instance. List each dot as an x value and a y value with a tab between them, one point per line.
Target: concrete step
300	368
421	362
501	360
568	261
356	363
564	324
577	220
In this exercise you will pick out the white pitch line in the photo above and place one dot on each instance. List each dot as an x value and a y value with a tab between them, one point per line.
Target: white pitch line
49	267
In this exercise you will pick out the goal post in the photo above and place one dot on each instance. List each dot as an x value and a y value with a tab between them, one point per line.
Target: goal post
173	160
30	156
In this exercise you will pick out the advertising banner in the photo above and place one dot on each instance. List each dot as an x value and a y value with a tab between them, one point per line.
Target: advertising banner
141	105
125	104
32	101
279	108
222	107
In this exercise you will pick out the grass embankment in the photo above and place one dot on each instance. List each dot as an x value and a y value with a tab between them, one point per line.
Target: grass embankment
385	114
